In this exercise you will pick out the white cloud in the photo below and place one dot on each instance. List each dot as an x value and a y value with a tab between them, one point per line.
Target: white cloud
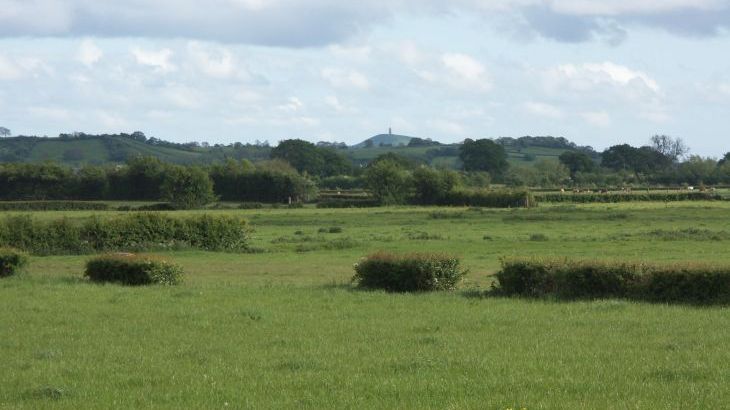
597	118
346	78
465	71
89	53
543	109
9	70
292	104
587	76
159	60
215	62
15	68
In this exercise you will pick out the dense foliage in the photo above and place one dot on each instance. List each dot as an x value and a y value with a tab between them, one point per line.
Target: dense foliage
127	232
134	270
53	206
149	179
11	261
484	155
562	278
408	273
612	197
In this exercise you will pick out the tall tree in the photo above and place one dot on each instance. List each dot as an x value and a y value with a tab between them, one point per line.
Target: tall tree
388	182
484	155
187	187
577	162
672	148
4	132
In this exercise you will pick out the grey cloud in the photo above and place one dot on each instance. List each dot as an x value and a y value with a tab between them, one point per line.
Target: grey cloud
282	23
311	23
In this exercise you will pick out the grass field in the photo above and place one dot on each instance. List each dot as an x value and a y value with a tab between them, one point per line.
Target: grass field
284	328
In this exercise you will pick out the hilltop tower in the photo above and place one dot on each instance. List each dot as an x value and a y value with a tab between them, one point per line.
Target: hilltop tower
390	131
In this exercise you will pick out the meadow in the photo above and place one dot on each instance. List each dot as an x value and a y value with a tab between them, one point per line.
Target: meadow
282	326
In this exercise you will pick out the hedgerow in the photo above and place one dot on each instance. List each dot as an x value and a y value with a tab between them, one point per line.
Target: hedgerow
490	198
53	206
11	261
135	270
127	232
408	272
586	279
614	197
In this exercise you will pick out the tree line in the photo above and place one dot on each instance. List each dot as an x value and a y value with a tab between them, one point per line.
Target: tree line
296	168
149	179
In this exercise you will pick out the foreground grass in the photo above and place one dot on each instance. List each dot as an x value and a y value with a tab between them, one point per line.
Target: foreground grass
284	329
71	344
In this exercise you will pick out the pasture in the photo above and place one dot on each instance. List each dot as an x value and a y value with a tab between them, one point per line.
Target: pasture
282	327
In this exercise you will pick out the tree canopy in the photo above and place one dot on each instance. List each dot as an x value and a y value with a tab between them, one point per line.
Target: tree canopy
484	155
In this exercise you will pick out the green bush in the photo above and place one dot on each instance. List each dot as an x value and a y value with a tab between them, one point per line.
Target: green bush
11	261
566	279
127	232
490	199
408	272
53	206
348	203
251	205
129	269
615	197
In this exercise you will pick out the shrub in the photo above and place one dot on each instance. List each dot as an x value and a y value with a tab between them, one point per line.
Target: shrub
614	197
11	261
538	237
348	203
129	269
53	206
566	279
490	199
251	205
408	272
127	232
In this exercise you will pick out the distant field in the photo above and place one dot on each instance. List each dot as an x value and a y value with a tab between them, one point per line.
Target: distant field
284	328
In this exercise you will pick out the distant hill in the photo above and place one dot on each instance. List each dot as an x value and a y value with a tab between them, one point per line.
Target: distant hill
79	149
385	140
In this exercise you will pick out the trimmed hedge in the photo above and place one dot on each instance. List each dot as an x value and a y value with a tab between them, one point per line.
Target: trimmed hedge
490	199
408	272
134	270
582	279
614	197
11	261
348	203
53	206
126	232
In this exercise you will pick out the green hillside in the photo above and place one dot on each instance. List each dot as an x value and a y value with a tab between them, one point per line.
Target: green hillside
105	149
393	140
80	149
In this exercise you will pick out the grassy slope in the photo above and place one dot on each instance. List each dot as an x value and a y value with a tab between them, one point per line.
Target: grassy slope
514	157
95	151
283	329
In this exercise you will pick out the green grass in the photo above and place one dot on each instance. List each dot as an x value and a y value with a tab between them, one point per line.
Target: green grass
284	328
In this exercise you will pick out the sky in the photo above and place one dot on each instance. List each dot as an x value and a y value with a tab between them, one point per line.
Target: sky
599	73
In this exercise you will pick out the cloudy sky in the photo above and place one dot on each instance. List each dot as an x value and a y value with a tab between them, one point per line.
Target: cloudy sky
596	72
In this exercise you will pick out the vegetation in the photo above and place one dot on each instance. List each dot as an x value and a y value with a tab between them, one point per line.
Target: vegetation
69	343
134	270
613	197
568	279
408	273
11	261
124	232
